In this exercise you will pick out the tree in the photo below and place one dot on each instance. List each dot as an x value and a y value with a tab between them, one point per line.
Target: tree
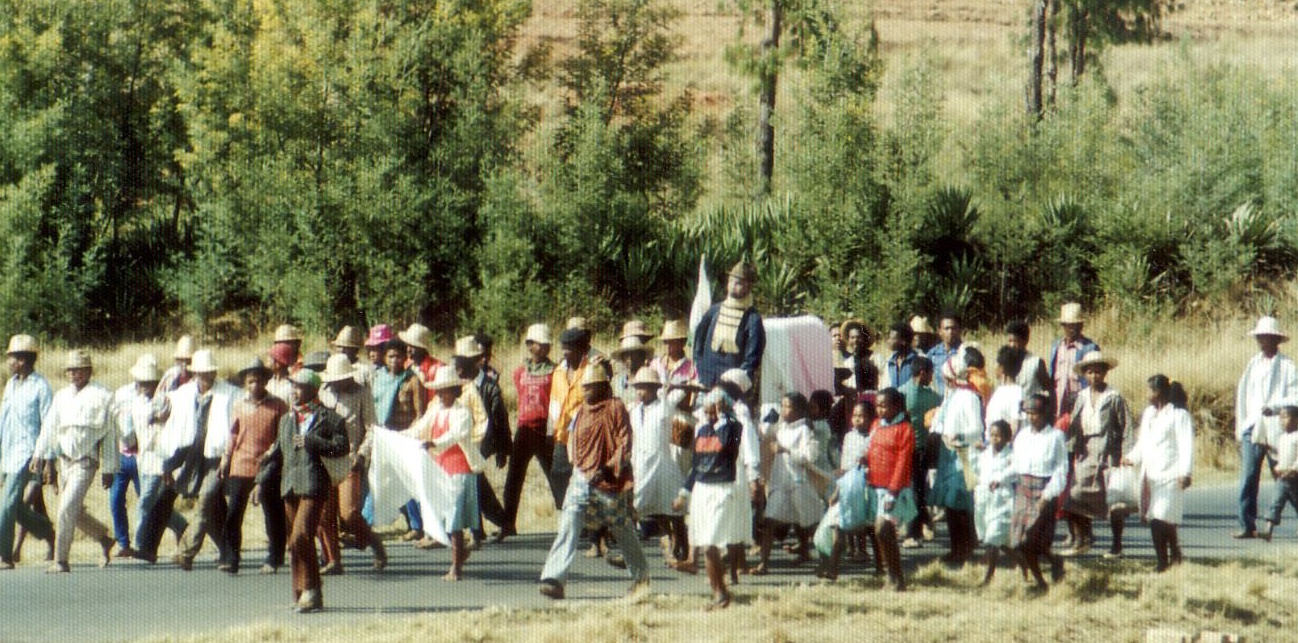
1089	24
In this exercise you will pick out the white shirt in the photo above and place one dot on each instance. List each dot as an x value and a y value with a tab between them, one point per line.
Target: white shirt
1042	454
1286	452
133	412
1005	404
960	418
855	445
1265	382
1165	446
750	442
80	424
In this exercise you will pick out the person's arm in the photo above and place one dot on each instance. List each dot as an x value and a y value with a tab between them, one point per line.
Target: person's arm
109	455
1184	430
329	440
272	462
620	460
755	346
901	468
1057	459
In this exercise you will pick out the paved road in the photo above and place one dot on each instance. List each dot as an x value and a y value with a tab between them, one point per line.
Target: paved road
129	599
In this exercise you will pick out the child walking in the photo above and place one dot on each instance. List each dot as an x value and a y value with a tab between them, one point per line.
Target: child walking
994	495
1286	468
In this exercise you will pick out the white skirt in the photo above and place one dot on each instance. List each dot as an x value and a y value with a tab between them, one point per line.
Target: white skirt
1166	501
720	515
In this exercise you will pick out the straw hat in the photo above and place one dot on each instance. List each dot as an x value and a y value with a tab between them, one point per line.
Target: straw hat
203	362
418	336
1092	359
920	326
145	369
22	344
379	335
316	360
467	346
596	373
77	358
646	377
349	337
281	353
255	365
338	368
185	347
576	323
738	377
574	337
630	345
288	333
636	328
538	334
1071	313
745	271
445	378
1265	326
307	377
674	329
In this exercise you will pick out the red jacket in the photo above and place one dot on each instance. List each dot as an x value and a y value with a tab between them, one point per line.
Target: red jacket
889	457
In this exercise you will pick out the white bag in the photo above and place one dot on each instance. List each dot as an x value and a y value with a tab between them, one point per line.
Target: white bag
1122	488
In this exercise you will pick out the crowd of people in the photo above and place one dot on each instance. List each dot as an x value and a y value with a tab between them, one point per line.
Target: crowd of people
637	441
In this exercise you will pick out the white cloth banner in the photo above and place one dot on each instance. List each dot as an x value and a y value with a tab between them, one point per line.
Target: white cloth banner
702	298
798	357
400	469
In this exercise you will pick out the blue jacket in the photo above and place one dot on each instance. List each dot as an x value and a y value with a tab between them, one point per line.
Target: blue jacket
751	341
716	452
1087	348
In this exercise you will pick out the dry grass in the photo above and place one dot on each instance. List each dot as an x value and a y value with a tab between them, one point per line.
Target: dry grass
1113	603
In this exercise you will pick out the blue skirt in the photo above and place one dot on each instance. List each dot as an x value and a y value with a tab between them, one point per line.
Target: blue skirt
949	488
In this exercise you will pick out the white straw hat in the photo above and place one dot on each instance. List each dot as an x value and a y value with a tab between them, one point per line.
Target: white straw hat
337	369
538	334
22	344
467	346
445	378
1071	313
77	358
145	369
185	347
418	336
202	362
1269	326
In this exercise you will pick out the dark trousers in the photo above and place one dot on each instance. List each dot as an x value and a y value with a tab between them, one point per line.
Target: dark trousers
488	505
560	472
237	493
1252	458
528	443
919	482
1286	493
303	513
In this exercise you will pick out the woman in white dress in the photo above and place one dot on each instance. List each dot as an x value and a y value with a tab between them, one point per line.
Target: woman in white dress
959	422
791	497
657	476
1164	452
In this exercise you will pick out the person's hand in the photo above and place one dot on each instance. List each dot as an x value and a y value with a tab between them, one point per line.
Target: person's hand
754	488
774	448
1184	481
358	464
50	476
167	479
106	479
299	440
36	467
223	470
678	504
501	460
256	495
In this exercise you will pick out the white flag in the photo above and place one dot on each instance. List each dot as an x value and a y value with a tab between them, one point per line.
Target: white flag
702	297
400	470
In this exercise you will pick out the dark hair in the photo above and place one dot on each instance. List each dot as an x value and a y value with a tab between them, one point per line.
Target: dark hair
974	358
865	404
903	331
394	344
1019	329
921	364
1171	392
824	400
799	403
867	335
484	340
1010	360
893	396
1042	399
951	314
999	425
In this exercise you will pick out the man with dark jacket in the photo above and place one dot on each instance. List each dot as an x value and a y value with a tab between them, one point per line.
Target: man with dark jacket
490	426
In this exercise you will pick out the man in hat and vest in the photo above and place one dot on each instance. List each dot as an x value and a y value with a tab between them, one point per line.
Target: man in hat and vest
198	429
135	407
257	414
126	399
27	398
674	366
601	489
1269	379
532	381
80	433
354	403
175	375
419	344
482	397
565	399
1065	353
731	335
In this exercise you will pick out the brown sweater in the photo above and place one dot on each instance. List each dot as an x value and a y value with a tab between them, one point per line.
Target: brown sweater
252	432
601	445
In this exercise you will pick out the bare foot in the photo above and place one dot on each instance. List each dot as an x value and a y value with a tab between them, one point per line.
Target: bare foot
451	576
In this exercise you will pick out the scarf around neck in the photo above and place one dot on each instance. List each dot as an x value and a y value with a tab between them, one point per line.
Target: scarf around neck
725	333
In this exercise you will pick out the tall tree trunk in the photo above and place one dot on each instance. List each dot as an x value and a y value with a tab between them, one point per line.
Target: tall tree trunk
1079	28
770	77
1052	52
1035	55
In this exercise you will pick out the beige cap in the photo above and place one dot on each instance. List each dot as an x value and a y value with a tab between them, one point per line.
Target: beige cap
185	347
349	337
77	358
467	347
145	369
674	329
576	323
418	336
631	344
920	326
1070	313
288	333
538	334
22	344
337	369
444	379
1092	359
202	362
636	328
646	377
596	373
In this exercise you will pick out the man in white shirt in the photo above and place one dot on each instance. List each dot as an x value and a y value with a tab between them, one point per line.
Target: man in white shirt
80	433
1269	379
27	398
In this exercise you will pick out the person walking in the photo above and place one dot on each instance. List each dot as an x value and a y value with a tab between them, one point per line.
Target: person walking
532	383
1269	379
27	399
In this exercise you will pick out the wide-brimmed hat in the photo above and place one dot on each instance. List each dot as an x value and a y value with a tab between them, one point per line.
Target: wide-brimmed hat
1092	359
630	345
538	334
22	344
739	377
77	358
379	335
418	336
306	377
920	326
467	346
444	379
283	354
145	369
288	333
337	369
316	360
596	373
349	337
646	377
674	329
1265	326
202	362
577	323
574	337
1071	313
743	270
636	328
185	347
254	365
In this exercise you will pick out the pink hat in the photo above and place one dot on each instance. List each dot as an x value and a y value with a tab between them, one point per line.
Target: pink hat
379	335
283	354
